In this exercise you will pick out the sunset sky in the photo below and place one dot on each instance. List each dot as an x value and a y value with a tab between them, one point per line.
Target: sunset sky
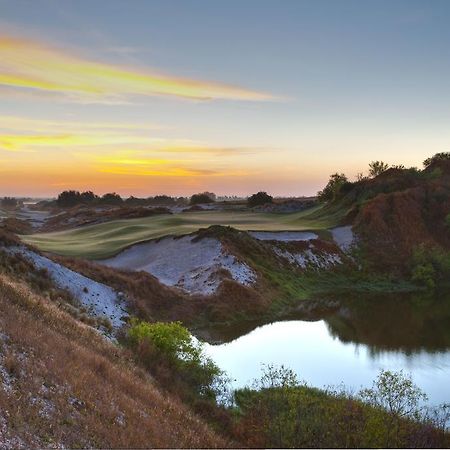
176	97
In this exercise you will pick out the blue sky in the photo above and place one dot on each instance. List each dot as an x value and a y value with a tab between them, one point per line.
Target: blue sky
348	82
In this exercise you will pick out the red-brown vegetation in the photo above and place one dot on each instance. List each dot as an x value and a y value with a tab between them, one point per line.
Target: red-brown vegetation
64	385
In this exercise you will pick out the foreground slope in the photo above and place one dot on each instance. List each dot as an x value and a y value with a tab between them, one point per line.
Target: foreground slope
62	384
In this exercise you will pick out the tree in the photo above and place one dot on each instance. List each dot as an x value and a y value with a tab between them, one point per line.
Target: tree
67	199
377	167
395	393
111	198
443	156
333	187
204	197
260	198
88	197
361	177
9	202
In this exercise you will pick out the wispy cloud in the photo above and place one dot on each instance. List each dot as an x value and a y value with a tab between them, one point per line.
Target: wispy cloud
141	163
21	134
31	65
189	148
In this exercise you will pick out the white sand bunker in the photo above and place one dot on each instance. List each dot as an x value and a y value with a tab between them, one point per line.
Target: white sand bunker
344	237
192	266
309	259
99	299
284	236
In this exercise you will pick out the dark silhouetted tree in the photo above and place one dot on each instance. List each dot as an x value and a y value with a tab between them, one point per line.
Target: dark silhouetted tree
333	188
111	198
443	156
377	167
204	197
67	199
260	198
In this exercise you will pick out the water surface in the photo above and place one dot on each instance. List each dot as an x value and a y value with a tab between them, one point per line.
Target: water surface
351	343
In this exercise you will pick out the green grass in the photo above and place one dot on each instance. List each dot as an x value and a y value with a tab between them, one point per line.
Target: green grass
106	239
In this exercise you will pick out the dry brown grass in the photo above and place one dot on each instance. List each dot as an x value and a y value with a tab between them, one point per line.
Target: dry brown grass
151	300
14	225
63	384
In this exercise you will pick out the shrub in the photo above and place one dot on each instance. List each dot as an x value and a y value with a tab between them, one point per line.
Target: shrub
281	412
429	266
258	199
169	350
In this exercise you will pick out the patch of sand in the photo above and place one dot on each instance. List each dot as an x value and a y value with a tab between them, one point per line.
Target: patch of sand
284	236
344	237
192	266
99	299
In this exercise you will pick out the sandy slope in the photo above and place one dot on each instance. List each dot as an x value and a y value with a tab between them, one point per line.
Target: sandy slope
344	237
192	266
99	299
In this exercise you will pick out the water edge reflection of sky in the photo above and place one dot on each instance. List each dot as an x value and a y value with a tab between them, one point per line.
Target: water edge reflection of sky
322	360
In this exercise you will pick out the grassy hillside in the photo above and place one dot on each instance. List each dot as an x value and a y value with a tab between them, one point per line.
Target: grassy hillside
104	240
63	385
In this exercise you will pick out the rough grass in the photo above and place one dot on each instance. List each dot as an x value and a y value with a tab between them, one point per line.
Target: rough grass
105	240
63	385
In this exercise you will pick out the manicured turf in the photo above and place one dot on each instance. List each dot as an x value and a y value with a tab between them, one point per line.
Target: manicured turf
106	239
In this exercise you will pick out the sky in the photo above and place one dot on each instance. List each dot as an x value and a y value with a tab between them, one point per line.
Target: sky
149	97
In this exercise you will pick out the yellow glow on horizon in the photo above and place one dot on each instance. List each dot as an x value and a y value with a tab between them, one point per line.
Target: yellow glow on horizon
27	64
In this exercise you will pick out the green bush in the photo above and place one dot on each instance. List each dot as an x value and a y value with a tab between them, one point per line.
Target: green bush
172	355
429	266
281	412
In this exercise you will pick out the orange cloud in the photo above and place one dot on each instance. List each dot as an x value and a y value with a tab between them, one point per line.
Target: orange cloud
27	64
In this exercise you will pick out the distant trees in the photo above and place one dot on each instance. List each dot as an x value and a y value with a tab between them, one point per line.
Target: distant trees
333	187
88	197
111	198
9	202
204	197
69	199
443	156
377	168
260	198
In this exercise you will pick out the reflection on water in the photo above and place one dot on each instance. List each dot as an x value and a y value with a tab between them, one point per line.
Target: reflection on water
351	343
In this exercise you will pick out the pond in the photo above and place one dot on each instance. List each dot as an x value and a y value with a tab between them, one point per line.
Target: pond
349	341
